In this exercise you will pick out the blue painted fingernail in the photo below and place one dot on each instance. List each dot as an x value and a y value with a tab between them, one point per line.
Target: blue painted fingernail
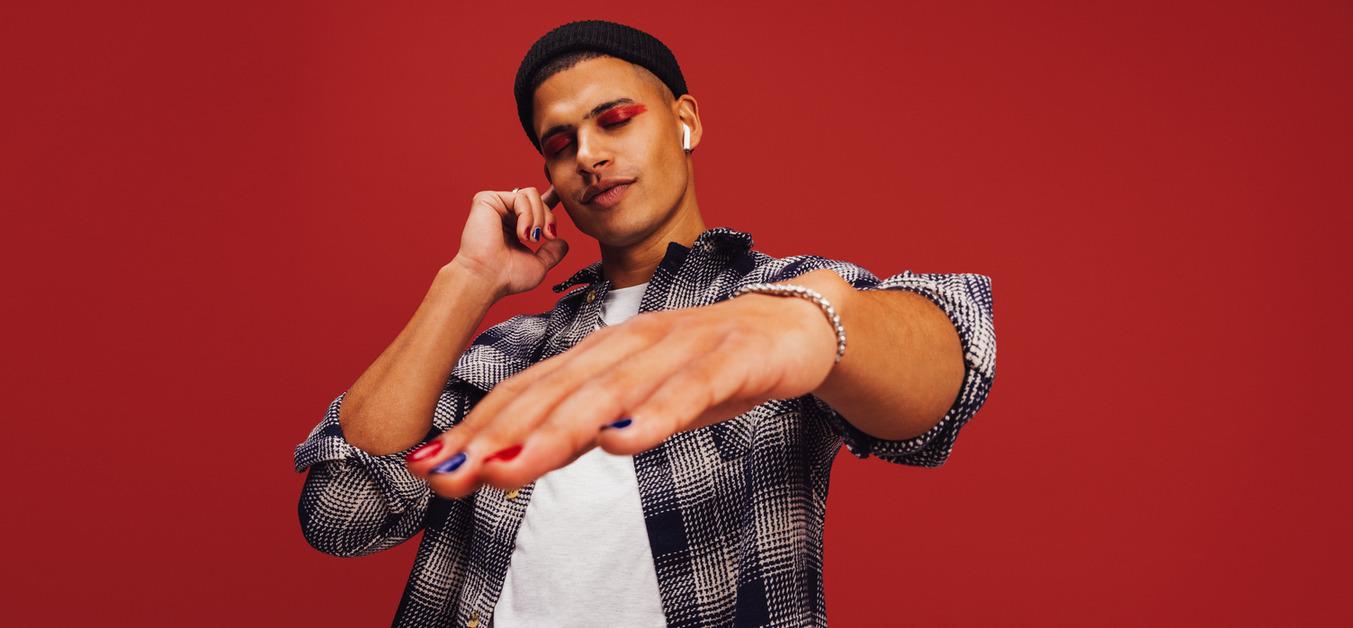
537	234
451	464
621	423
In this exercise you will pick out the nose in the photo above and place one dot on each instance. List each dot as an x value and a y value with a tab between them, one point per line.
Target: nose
592	153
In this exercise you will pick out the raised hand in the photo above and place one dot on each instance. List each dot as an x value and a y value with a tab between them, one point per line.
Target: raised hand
496	242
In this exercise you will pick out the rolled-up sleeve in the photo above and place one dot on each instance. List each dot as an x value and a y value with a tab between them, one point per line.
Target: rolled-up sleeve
966	299
354	503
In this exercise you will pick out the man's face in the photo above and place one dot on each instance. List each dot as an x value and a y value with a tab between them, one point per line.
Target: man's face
636	134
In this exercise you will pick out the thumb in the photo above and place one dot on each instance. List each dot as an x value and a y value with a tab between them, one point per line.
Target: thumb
552	252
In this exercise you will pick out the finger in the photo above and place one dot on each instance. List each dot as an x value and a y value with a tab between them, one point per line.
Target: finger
702	393
462	480
546	220
573	424
552	252
509	418
545	449
457	476
451	463
535	390
443	451
500	202
452	470
537	215
548	201
521	206
563	363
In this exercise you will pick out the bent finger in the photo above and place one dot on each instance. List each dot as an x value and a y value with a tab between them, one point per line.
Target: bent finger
521	207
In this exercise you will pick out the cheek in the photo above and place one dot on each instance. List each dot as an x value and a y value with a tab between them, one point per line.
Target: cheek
672	161
558	176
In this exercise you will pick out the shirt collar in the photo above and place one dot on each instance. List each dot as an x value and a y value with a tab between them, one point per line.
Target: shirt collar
722	239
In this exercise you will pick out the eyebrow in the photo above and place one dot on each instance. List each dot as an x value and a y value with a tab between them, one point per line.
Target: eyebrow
558	128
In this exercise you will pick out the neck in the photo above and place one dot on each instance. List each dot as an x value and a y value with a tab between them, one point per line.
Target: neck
633	264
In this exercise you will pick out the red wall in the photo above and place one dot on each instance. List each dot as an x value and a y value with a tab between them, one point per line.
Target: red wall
217	216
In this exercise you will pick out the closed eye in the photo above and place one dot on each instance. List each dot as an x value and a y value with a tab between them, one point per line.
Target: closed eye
611	118
616	115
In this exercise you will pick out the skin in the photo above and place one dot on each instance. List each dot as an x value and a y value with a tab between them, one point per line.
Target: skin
682	369
660	207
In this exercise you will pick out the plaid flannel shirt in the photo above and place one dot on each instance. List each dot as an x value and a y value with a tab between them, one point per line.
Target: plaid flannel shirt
734	511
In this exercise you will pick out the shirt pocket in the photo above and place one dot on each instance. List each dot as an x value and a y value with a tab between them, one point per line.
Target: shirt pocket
734	437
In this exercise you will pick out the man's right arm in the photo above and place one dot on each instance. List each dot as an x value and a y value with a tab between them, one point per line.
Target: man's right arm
389	408
359	497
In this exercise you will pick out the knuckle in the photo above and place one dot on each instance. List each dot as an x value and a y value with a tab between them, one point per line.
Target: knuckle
695	392
603	392
573	438
739	337
461	433
705	392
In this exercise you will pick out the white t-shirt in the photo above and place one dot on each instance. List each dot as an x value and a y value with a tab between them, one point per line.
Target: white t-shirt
582	556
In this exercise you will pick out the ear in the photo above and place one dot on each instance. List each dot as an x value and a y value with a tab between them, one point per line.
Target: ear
687	110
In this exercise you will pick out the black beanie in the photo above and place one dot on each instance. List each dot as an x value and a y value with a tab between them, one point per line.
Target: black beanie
617	40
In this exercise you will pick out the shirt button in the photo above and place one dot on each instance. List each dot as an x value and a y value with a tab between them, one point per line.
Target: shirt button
512	494
591	296
474	619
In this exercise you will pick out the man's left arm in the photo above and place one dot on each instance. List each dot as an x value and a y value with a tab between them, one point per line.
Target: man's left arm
919	361
680	369
903	364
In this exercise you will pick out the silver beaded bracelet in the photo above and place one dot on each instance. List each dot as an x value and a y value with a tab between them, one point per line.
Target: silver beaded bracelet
807	293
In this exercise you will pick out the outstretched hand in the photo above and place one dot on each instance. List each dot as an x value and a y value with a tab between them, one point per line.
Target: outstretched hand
628	387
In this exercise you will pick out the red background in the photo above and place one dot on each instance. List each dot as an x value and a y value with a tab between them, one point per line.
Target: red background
217	216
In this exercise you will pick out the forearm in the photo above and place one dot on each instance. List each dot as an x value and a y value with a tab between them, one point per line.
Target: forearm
389	408
903	364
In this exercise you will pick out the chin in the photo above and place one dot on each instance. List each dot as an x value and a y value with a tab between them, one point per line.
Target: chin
618	230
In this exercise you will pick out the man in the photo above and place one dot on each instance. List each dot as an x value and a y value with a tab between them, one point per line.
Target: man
676	465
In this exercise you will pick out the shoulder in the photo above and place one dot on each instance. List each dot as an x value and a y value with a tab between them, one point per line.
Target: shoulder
767	268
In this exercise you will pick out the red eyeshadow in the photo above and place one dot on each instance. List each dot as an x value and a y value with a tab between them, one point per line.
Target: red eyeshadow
620	114
614	115
555	143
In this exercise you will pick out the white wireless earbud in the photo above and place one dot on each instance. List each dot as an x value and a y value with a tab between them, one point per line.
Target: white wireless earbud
685	136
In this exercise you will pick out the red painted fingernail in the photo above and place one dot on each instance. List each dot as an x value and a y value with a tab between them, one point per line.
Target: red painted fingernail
505	454
551	228
424	451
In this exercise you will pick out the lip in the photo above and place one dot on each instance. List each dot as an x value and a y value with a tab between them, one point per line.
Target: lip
611	197
604	185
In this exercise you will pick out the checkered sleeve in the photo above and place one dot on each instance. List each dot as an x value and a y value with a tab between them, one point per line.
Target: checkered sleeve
354	503
966	299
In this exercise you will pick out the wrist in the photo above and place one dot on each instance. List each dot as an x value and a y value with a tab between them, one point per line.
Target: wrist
829	284
838	292
471	275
